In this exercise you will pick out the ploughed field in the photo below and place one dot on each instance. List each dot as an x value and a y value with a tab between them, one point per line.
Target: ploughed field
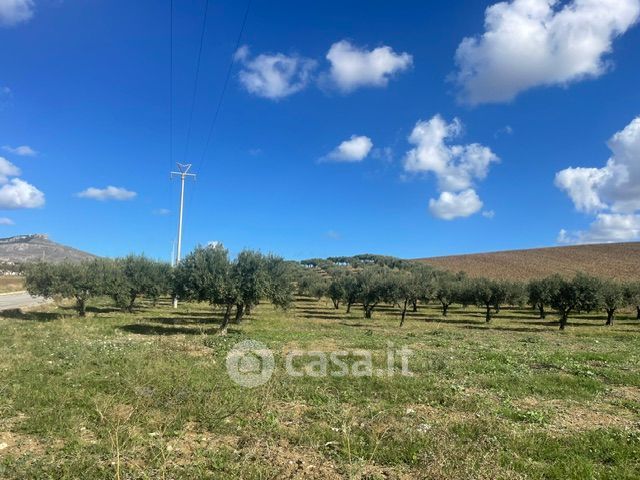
619	261
147	396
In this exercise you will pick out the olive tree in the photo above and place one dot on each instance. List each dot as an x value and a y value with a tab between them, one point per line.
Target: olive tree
447	291
251	280
485	293
632	296
137	276
77	281
612	295
539	294
372	286
581	294
205	275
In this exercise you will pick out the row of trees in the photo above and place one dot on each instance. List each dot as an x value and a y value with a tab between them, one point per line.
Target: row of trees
409	284
205	275
124	280
237	285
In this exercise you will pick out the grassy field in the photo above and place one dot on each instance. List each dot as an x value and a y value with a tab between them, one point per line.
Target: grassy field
147	396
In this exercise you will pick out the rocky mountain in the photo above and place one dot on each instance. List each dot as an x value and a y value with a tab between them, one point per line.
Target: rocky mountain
28	248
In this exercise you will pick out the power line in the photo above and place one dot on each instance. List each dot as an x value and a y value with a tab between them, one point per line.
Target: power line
195	85
224	87
171	85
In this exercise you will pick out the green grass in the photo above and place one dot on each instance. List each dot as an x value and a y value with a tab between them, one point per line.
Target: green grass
147	396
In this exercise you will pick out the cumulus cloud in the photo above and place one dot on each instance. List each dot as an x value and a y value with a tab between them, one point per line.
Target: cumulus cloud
353	67
6	221
531	43
7	169
456	167
274	76
22	150
17	193
455	205
108	193
353	150
611	192
13	12
606	228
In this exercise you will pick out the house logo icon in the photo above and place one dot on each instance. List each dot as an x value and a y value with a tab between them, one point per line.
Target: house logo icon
250	363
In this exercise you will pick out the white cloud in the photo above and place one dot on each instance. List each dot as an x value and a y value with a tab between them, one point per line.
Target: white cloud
274	76
7	169
456	167
108	193
353	150
531	43
488	214
13	12
6	221
455	205
22	150
612	192
606	228
353	67
583	185
162	212
19	194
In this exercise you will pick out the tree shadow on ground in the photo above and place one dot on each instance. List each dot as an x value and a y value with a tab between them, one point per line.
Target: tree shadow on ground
357	325
183	321
17	314
505	329
146	329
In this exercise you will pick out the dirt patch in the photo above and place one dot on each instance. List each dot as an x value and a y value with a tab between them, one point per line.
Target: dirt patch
566	416
18	445
283	460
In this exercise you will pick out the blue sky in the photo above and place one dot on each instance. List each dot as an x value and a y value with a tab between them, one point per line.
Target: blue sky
346	127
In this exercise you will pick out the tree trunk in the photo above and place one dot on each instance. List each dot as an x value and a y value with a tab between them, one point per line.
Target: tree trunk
348	307
368	310
81	307
239	314
543	314
404	312
487	318
414	304
336	303
247	309
638	313
497	309
563	320
610	314
225	320
445	309
132	300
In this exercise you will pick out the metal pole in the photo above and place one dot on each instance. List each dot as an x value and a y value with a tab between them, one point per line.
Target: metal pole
183	173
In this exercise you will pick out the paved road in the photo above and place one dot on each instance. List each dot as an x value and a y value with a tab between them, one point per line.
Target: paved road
19	300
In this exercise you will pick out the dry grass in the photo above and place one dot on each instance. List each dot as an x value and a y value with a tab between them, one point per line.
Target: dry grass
11	283
619	261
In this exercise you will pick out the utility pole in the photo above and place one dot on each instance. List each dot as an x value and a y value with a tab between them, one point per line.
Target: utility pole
183	172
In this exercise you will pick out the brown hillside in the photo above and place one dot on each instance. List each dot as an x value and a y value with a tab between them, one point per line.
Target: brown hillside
613	260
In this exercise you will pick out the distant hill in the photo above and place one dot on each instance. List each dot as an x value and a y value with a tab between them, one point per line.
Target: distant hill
612	260
28	248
